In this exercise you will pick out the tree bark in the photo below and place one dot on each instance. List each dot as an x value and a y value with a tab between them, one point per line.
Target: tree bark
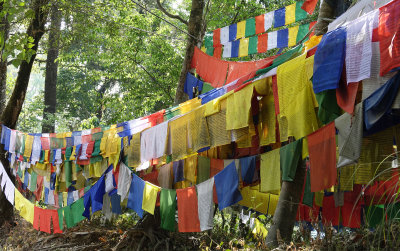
285	213
5	27
10	115
50	83
195	29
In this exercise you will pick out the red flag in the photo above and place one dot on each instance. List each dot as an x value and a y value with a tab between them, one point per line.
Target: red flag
309	6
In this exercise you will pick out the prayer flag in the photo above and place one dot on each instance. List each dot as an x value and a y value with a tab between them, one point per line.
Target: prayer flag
149	197
290	14
290	155
232	32
293	31
188	216
235	49
329	60
322	149
241	30
279	17
388	36
262	45
250	27
260	24
253	45
135	197
268	20
217	37
270	173
227	184
283	36
248	168
244	47
205	204
300	13
272	40
309	5
227	50
224	35
167	209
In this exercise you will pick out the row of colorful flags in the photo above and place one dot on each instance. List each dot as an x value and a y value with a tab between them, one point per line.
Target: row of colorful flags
261	43
260	24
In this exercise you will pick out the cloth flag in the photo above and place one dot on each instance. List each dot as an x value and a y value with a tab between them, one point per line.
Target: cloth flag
329	60
227	184
206	204
135	197
149	197
322	149
270	172
388	36
188	216
279	17
167	209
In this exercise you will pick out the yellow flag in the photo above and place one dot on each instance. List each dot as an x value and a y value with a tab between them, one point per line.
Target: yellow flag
203	49
244	47
254	199
28	146
24	206
293	35
238	108
273	202
259	229
290	14
241	29
149	197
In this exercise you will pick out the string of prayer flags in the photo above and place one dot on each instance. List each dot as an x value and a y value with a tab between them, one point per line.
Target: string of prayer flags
290	156
188	216
257	25
167	209
135	197
227	187
389	41
329	60
322	149
206	204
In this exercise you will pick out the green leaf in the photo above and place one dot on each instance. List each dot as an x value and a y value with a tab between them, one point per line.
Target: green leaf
16	62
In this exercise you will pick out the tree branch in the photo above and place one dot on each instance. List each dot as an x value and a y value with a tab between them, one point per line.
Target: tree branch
169	14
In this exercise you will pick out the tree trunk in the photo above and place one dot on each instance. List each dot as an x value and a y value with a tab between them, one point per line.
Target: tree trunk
285	213
195	29
35	30
10	115
50	83
4	28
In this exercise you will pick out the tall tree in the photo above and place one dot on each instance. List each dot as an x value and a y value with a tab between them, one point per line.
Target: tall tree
50	83
195	26
10	115
289	198
4	30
